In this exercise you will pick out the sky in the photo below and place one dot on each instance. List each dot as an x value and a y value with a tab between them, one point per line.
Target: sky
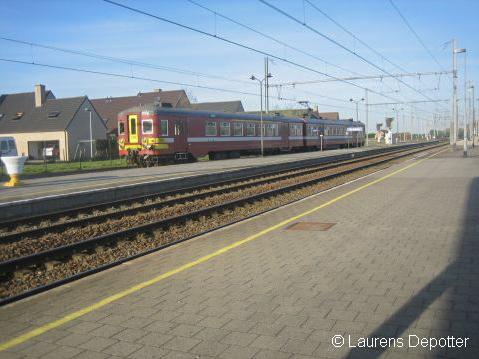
170	57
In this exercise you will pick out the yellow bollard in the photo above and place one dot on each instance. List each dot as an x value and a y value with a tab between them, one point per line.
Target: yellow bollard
14	181
14	166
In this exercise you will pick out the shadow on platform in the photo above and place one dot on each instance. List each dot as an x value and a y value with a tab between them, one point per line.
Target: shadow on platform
458	283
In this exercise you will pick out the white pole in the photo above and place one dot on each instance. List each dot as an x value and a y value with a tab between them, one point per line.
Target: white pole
261	116
367	116
465	105
453	134
91	139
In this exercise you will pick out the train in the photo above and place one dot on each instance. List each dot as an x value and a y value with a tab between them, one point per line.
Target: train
151	134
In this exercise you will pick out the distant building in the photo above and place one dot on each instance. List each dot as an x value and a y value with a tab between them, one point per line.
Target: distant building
224	106
39	122
110	107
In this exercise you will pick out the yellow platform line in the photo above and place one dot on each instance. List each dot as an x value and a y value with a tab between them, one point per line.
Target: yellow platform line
74	315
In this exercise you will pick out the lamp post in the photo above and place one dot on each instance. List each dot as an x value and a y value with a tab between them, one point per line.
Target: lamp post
460	51
473	125
88	109
357	104
357	113
254	78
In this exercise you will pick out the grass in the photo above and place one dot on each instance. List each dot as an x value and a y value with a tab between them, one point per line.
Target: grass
57	167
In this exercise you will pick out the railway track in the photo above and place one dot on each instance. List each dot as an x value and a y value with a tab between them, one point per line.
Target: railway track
49	254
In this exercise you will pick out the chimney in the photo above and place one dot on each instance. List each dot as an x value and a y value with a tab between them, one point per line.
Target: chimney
39	95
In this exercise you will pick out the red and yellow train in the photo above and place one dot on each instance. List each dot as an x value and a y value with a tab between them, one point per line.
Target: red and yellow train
152	134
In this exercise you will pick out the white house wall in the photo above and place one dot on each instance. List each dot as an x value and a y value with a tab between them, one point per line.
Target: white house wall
79	129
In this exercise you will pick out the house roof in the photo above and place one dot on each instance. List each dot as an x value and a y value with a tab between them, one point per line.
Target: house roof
299	113
224	106
110	107
54	115
329	115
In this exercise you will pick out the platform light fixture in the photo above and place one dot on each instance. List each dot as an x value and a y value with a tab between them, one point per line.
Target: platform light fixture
357	106
464	51
88	109
254	78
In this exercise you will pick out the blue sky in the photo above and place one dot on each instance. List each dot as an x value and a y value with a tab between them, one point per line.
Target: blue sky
97	27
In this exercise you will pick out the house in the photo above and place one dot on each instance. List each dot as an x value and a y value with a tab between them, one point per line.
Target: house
223	106
110	107
43	125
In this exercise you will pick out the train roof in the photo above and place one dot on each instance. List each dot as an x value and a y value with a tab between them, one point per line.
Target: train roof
239	116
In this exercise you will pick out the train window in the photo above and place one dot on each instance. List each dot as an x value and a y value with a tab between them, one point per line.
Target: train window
177	128
121	128
237	129
225	129
275	129
210	129
250	129
295	130
133	126
164	128
147	127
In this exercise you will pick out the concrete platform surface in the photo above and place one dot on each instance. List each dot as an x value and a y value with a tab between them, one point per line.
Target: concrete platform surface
399	262
57	185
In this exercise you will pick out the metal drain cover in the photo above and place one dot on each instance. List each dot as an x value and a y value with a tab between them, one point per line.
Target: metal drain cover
310	226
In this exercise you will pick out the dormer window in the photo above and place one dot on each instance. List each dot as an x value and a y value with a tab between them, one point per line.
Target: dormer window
18	116
53	114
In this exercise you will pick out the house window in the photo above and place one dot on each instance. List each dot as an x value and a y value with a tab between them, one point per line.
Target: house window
250	129
164	128
210	129
121	128
225	129
237	129
147	127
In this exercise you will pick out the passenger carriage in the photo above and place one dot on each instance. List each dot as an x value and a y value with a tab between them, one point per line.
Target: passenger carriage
153	134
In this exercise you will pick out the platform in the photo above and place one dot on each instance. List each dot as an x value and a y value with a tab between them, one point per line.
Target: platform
400	259
50	194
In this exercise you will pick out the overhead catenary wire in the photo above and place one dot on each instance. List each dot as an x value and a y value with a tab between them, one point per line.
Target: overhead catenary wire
236	43
269	37
216	13
337	43
123	60
356	38
142	78
416	35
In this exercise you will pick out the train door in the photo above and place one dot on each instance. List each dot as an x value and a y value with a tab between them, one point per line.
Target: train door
133	128
180	136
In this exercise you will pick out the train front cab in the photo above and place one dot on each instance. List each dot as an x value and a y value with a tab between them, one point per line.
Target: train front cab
128	135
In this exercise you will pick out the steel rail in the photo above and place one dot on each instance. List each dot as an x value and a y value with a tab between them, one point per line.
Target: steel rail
112	264
273	176
69	249
74	211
